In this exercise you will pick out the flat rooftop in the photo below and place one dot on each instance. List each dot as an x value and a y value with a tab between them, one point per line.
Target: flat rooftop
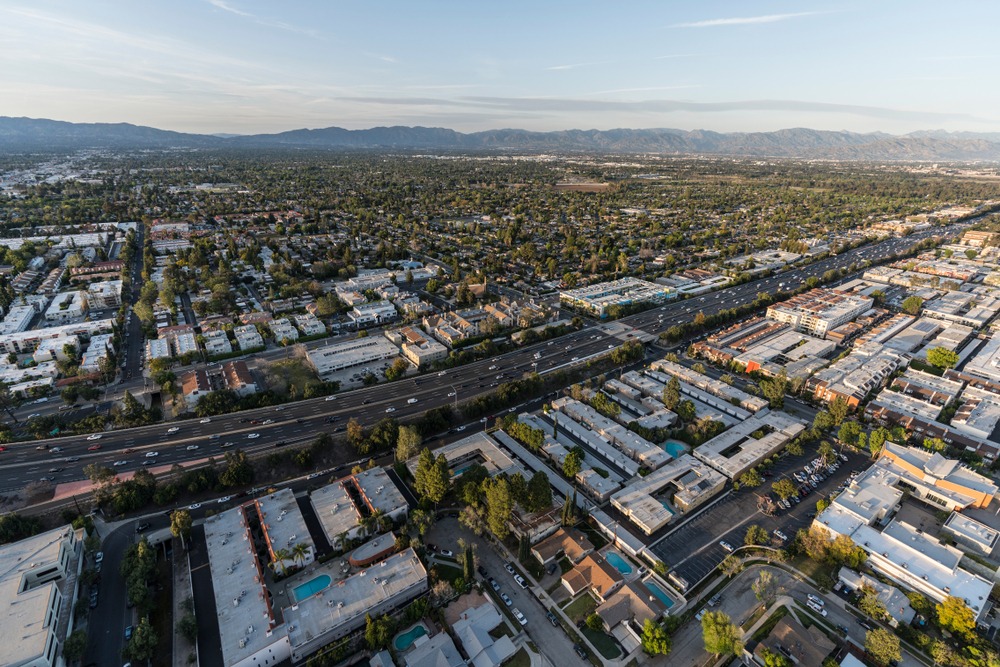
282	520
241	604
335	510
478	447
347	601
972	530
379	491
736	450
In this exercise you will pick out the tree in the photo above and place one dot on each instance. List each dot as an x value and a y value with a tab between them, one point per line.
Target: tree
672	393
721	636
300	552
756	535
942	357
75	646
573	463
408	443
823	420
397	369
912	305
882	645
238	470
774	389
955	616
877	438
655	640
142	647
685	411
539	492
432	476
765	587
826	453
785	488
850	432
775	659
355	433
595	623
499	505
822	504
751	478
180	525
838	410
731	565
871	605
378	632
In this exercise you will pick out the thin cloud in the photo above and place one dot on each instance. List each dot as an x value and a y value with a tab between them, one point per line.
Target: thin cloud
226	7
647	89
556	68
743	20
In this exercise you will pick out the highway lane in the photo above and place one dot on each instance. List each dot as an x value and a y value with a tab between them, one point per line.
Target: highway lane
23	463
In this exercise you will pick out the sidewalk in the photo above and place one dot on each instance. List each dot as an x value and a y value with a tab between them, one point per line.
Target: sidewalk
183	591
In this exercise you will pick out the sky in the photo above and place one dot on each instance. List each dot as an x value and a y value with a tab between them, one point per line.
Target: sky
250	66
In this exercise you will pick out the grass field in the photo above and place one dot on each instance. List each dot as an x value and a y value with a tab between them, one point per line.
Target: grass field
580	608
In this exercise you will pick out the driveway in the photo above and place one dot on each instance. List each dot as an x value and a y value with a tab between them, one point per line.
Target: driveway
551	641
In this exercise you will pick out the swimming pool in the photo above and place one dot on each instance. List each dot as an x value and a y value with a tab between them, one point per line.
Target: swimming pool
653	588
667	507
619	563
311	587
458	473
674	448
406	639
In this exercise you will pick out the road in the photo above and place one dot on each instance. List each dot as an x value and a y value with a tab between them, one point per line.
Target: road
302	420
107	622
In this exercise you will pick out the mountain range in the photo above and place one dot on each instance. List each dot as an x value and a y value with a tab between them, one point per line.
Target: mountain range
31	134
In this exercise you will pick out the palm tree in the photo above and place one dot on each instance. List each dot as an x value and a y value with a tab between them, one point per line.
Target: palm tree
280	556
300	551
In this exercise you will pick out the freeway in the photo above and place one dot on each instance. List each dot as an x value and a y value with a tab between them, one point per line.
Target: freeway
300	421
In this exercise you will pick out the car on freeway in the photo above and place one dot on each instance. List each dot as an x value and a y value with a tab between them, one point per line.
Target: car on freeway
119	464
206	420
56	450
94	436
223	499
460	428
390	409
72	459
214	436
726	545
253	436
194	506
93	448
191	448
519	616
152	455
173	429
411	401
267	421
226	444
506	600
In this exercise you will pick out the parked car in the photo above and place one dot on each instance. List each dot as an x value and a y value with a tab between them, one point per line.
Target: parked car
816	599
780	535
494	584
726	545
128	632
552	619
520	581
506	600
816	608
519	616
580	650
700	614
448	552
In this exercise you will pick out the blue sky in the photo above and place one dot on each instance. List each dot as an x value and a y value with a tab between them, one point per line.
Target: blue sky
252	66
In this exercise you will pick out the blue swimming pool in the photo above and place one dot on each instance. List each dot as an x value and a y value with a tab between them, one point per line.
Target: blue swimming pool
619	563
674	448
667	507
311	587
653	588
458	473
405	640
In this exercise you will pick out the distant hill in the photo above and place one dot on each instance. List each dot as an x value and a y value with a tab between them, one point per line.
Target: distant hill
25	134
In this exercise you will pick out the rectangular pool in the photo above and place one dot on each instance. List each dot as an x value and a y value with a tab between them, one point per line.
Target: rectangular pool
619	563
653	588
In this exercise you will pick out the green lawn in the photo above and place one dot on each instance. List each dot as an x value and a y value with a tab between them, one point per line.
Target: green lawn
449	574
565	565
501	631
605	644
580	608
520	659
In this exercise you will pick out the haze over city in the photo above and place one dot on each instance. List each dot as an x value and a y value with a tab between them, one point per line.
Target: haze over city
247	66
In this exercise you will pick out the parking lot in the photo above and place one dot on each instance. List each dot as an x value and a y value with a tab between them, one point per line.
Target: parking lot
693	550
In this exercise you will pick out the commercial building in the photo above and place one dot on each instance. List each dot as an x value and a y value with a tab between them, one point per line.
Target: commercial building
66	307
38	591
330	359
798	354
248	338
340	609
419	349
735	451
937	480
376	312
973	534
819	310
596	299
682	485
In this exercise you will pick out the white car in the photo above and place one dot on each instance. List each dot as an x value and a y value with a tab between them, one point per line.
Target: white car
411	401
253	436
816	608
195	506
450	394
390	409
94	436
224	499
206	420
331	397
173	429
519	616
152	455
119	464
726	545
191	448
780	535
816	599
